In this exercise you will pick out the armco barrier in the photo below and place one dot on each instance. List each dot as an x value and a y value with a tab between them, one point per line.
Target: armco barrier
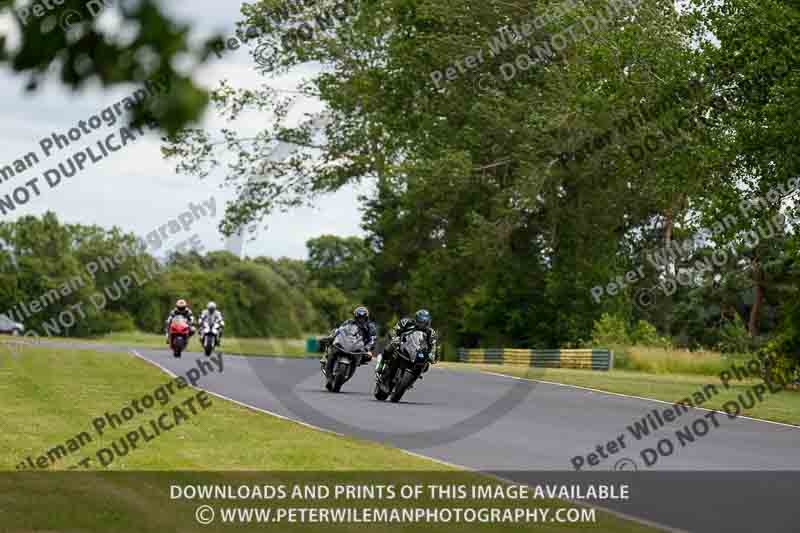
597	359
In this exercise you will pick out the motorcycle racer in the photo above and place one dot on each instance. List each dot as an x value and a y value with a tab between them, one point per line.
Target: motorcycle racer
368	331
212	315
422	322
181	309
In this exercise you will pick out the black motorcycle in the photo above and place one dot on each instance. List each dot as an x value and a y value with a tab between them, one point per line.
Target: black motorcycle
398	375
347	351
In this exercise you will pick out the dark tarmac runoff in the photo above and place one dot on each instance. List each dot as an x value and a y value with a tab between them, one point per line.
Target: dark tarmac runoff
722	474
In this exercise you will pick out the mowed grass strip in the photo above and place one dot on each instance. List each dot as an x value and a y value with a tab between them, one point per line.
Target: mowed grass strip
47	396
783	406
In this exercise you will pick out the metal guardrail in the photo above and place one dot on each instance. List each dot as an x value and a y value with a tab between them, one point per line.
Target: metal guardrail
594	359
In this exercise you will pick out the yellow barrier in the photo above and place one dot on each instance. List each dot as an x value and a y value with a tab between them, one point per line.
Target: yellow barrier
594	359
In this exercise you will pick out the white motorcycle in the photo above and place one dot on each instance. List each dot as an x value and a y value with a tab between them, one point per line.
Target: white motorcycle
209	336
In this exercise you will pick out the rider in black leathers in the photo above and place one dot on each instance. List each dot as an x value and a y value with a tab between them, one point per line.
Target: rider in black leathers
368	331
422	322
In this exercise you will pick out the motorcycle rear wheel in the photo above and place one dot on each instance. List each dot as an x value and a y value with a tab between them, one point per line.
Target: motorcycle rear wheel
379	393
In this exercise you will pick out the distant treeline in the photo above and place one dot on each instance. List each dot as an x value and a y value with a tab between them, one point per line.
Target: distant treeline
76	280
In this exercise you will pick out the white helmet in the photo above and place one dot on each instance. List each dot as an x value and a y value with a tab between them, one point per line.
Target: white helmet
211	307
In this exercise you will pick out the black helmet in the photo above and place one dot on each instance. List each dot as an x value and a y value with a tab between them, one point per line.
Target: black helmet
422	319
361	314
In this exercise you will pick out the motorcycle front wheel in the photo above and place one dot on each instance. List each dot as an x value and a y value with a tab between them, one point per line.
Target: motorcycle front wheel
406	381
208	345
340	375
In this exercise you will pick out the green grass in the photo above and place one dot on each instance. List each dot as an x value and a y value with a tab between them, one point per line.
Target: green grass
47	396
232	345
780	407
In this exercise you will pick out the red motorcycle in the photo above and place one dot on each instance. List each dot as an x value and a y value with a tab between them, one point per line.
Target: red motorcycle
179	332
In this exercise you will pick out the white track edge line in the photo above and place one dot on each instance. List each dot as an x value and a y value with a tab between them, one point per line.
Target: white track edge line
618	514
636	397
248	406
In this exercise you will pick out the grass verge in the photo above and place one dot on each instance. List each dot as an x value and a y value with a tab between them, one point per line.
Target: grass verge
48	396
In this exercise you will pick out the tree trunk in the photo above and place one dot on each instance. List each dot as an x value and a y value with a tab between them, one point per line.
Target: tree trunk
675	211
752	326
669	226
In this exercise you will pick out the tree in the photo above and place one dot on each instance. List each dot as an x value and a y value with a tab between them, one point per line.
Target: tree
754	58
500	200
343	263
82	51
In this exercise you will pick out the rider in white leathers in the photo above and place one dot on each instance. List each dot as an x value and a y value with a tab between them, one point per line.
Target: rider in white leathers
212	313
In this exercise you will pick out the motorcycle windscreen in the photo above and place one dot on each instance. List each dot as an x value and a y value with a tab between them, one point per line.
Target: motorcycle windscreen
349	340
414	343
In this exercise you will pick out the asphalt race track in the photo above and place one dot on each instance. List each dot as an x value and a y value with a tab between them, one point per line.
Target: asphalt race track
516	428
541	428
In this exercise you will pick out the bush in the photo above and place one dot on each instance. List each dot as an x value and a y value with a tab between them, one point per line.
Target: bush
645	334
119	322
332	305
734	337
642	349
610	330
784	350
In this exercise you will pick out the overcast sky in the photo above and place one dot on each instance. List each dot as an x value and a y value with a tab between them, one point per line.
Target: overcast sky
135	188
